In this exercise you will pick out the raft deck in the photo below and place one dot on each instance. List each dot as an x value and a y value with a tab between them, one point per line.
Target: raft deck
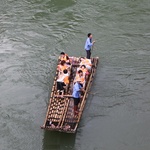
60	113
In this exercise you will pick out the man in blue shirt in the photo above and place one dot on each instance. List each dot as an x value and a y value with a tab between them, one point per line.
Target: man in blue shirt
88	45
77	88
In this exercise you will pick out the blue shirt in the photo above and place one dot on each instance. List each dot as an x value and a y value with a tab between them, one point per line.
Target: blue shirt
88	44
76	90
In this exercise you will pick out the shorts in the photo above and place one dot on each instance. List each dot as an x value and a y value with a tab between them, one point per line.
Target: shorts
76	101
60	86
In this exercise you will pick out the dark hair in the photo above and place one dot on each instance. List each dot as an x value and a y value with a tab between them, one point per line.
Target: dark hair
67	57
83	66
81	58
62	53
65	71
62	62
80	71
89	34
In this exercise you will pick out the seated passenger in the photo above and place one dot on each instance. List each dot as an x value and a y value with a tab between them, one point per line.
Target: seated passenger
73	60
62	66
65	57
86	62
62	81
80	76
84	69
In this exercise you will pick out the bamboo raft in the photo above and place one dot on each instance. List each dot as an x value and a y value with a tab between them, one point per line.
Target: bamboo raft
60	113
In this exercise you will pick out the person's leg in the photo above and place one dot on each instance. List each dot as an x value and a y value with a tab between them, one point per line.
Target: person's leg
62	88
75	108
58	86
76	102
88	54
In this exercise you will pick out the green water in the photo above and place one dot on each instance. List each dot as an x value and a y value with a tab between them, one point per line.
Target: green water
34	32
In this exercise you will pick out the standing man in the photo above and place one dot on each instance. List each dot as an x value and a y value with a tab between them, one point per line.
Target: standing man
88	45
77	89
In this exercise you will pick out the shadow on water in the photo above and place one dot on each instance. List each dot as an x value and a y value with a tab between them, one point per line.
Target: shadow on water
58	141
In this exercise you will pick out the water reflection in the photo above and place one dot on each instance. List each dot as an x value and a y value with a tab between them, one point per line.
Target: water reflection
58	141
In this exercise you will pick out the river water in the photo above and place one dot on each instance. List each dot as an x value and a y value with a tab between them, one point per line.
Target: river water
34	32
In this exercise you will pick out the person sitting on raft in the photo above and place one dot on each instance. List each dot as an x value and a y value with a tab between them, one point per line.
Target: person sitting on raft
65	57
62	82
86	62
80	76
62	66
84	70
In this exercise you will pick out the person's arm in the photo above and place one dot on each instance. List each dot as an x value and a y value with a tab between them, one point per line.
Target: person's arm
93	42
82	90
89	43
